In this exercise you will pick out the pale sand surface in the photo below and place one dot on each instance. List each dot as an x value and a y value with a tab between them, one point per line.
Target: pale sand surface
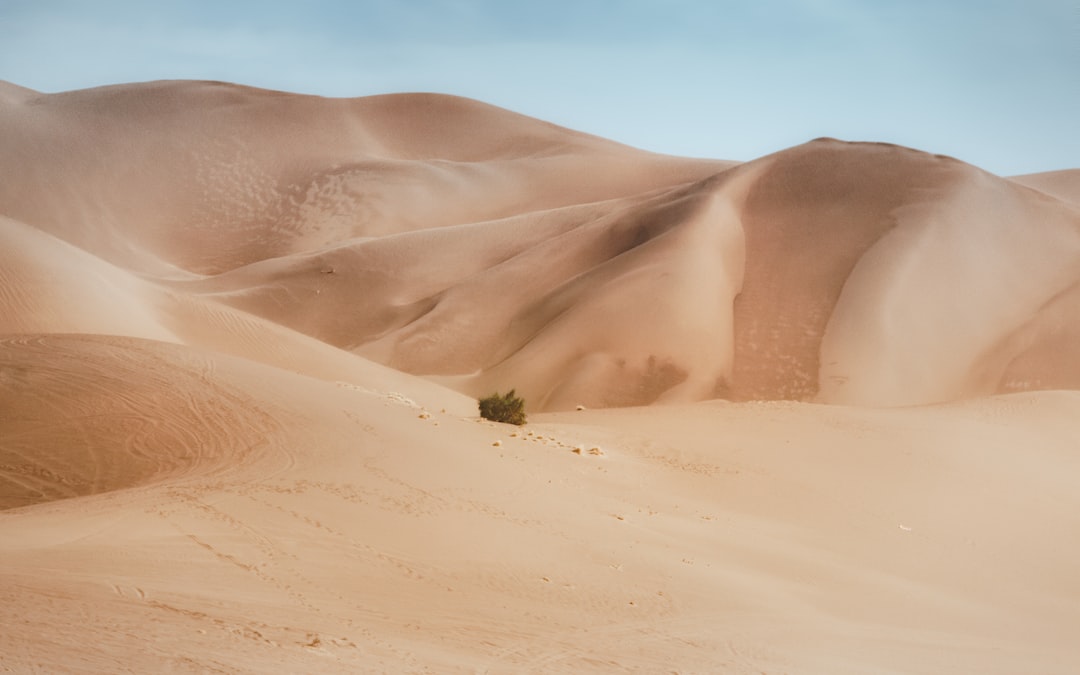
830	397
1065	185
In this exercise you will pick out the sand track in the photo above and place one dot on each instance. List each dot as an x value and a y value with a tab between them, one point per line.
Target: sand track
85	415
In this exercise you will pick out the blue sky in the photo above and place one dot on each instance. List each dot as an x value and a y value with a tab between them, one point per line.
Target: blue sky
993	82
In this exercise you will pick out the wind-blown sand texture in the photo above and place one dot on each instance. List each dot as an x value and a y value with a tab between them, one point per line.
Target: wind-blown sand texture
811	413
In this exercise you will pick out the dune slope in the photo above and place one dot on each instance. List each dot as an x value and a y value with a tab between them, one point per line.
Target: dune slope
87	415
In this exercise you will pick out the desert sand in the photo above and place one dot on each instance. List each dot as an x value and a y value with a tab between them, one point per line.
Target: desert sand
816	412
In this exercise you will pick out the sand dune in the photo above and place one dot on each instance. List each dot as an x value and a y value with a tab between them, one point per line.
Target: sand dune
218	175
1065	185
241	333
89	415
49	286
767	281
447	238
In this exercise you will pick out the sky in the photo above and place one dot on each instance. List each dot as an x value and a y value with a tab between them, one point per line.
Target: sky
992	82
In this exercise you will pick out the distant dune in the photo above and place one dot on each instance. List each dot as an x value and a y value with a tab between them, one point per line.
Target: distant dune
1065	185
242	331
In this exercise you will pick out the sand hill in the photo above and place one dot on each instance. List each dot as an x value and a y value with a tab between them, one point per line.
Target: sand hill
830	396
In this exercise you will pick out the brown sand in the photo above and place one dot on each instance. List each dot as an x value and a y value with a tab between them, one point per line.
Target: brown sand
216	453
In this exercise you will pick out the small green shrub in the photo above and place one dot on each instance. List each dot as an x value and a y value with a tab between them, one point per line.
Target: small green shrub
503	408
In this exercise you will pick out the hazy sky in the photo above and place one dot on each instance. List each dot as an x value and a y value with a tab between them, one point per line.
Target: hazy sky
993	82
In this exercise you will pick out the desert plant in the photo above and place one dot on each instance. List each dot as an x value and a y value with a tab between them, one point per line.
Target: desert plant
506	408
